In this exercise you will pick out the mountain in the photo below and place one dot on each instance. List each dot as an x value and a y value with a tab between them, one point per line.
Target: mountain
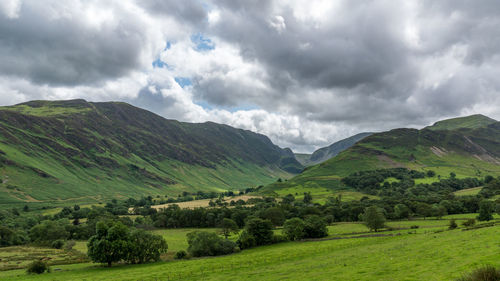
78	151
468	146
468	122
325	153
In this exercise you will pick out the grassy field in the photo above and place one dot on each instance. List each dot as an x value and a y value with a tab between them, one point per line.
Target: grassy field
468	191
204	202
21	256
428	255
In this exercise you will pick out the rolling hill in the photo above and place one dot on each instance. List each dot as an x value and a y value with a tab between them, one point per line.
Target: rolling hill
78	151
468	146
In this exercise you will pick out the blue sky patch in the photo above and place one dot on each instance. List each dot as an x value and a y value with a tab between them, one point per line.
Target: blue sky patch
183	81
202	43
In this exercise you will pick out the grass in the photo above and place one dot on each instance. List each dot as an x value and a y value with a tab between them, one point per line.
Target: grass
424	256
20	256
468	191
204	202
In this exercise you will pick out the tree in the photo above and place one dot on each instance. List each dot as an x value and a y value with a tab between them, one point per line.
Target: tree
438	211
275	215
431	173
374	218
294	229
257	231
202	243
307	197
315	227
110	244
228	226
145	247
486	209
424	210
401	211
48	231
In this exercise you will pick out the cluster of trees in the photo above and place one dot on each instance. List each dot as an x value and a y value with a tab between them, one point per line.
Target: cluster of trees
114	242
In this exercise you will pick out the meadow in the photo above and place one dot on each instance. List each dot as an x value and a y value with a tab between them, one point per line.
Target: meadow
430	252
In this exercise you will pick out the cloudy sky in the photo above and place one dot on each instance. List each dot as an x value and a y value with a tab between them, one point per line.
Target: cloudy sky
304	72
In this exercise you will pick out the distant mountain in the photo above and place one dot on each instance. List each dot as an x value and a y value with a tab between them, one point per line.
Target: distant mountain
65	151
467	146
325	153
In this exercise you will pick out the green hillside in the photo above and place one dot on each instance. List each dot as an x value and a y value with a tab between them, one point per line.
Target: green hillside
468	122
470	151
77	151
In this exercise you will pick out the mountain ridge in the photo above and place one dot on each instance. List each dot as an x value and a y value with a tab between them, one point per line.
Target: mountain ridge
69	147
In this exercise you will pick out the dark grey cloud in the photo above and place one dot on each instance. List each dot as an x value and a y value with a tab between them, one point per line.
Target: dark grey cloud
306	73
186	11
47	45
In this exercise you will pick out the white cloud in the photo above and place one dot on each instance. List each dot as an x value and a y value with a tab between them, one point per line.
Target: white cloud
306	72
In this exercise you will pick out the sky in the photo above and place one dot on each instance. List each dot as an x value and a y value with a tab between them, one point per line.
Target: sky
306	73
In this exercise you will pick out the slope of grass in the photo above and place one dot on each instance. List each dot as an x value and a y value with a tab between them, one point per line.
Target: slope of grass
426	256
471	122
465	152
78	152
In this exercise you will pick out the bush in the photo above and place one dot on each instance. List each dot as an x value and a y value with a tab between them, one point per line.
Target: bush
453	224
414	227
279	238
57	244
180	255
261	232
469	223
202	243
69	245
485	273
315	227
294	229
37	267
246	240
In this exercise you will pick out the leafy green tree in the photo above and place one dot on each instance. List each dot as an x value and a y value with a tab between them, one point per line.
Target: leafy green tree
145	247
307	197
202	243
259	231
228	226
374	218
275	215
401	211
315	227
48	231
486	209
431	173
288	199
110	244
294	229
438	211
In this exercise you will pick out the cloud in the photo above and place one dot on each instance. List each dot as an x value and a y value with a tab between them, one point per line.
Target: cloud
305	73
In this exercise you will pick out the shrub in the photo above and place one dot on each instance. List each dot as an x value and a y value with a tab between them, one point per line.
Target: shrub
202	243
261	230
37	267
453	224
180	255
294	229
69	245
57	244
469	222
246	240
485	273
279	238
315	227
414	227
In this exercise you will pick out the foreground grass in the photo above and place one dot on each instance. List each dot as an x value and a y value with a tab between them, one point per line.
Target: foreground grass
427	256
